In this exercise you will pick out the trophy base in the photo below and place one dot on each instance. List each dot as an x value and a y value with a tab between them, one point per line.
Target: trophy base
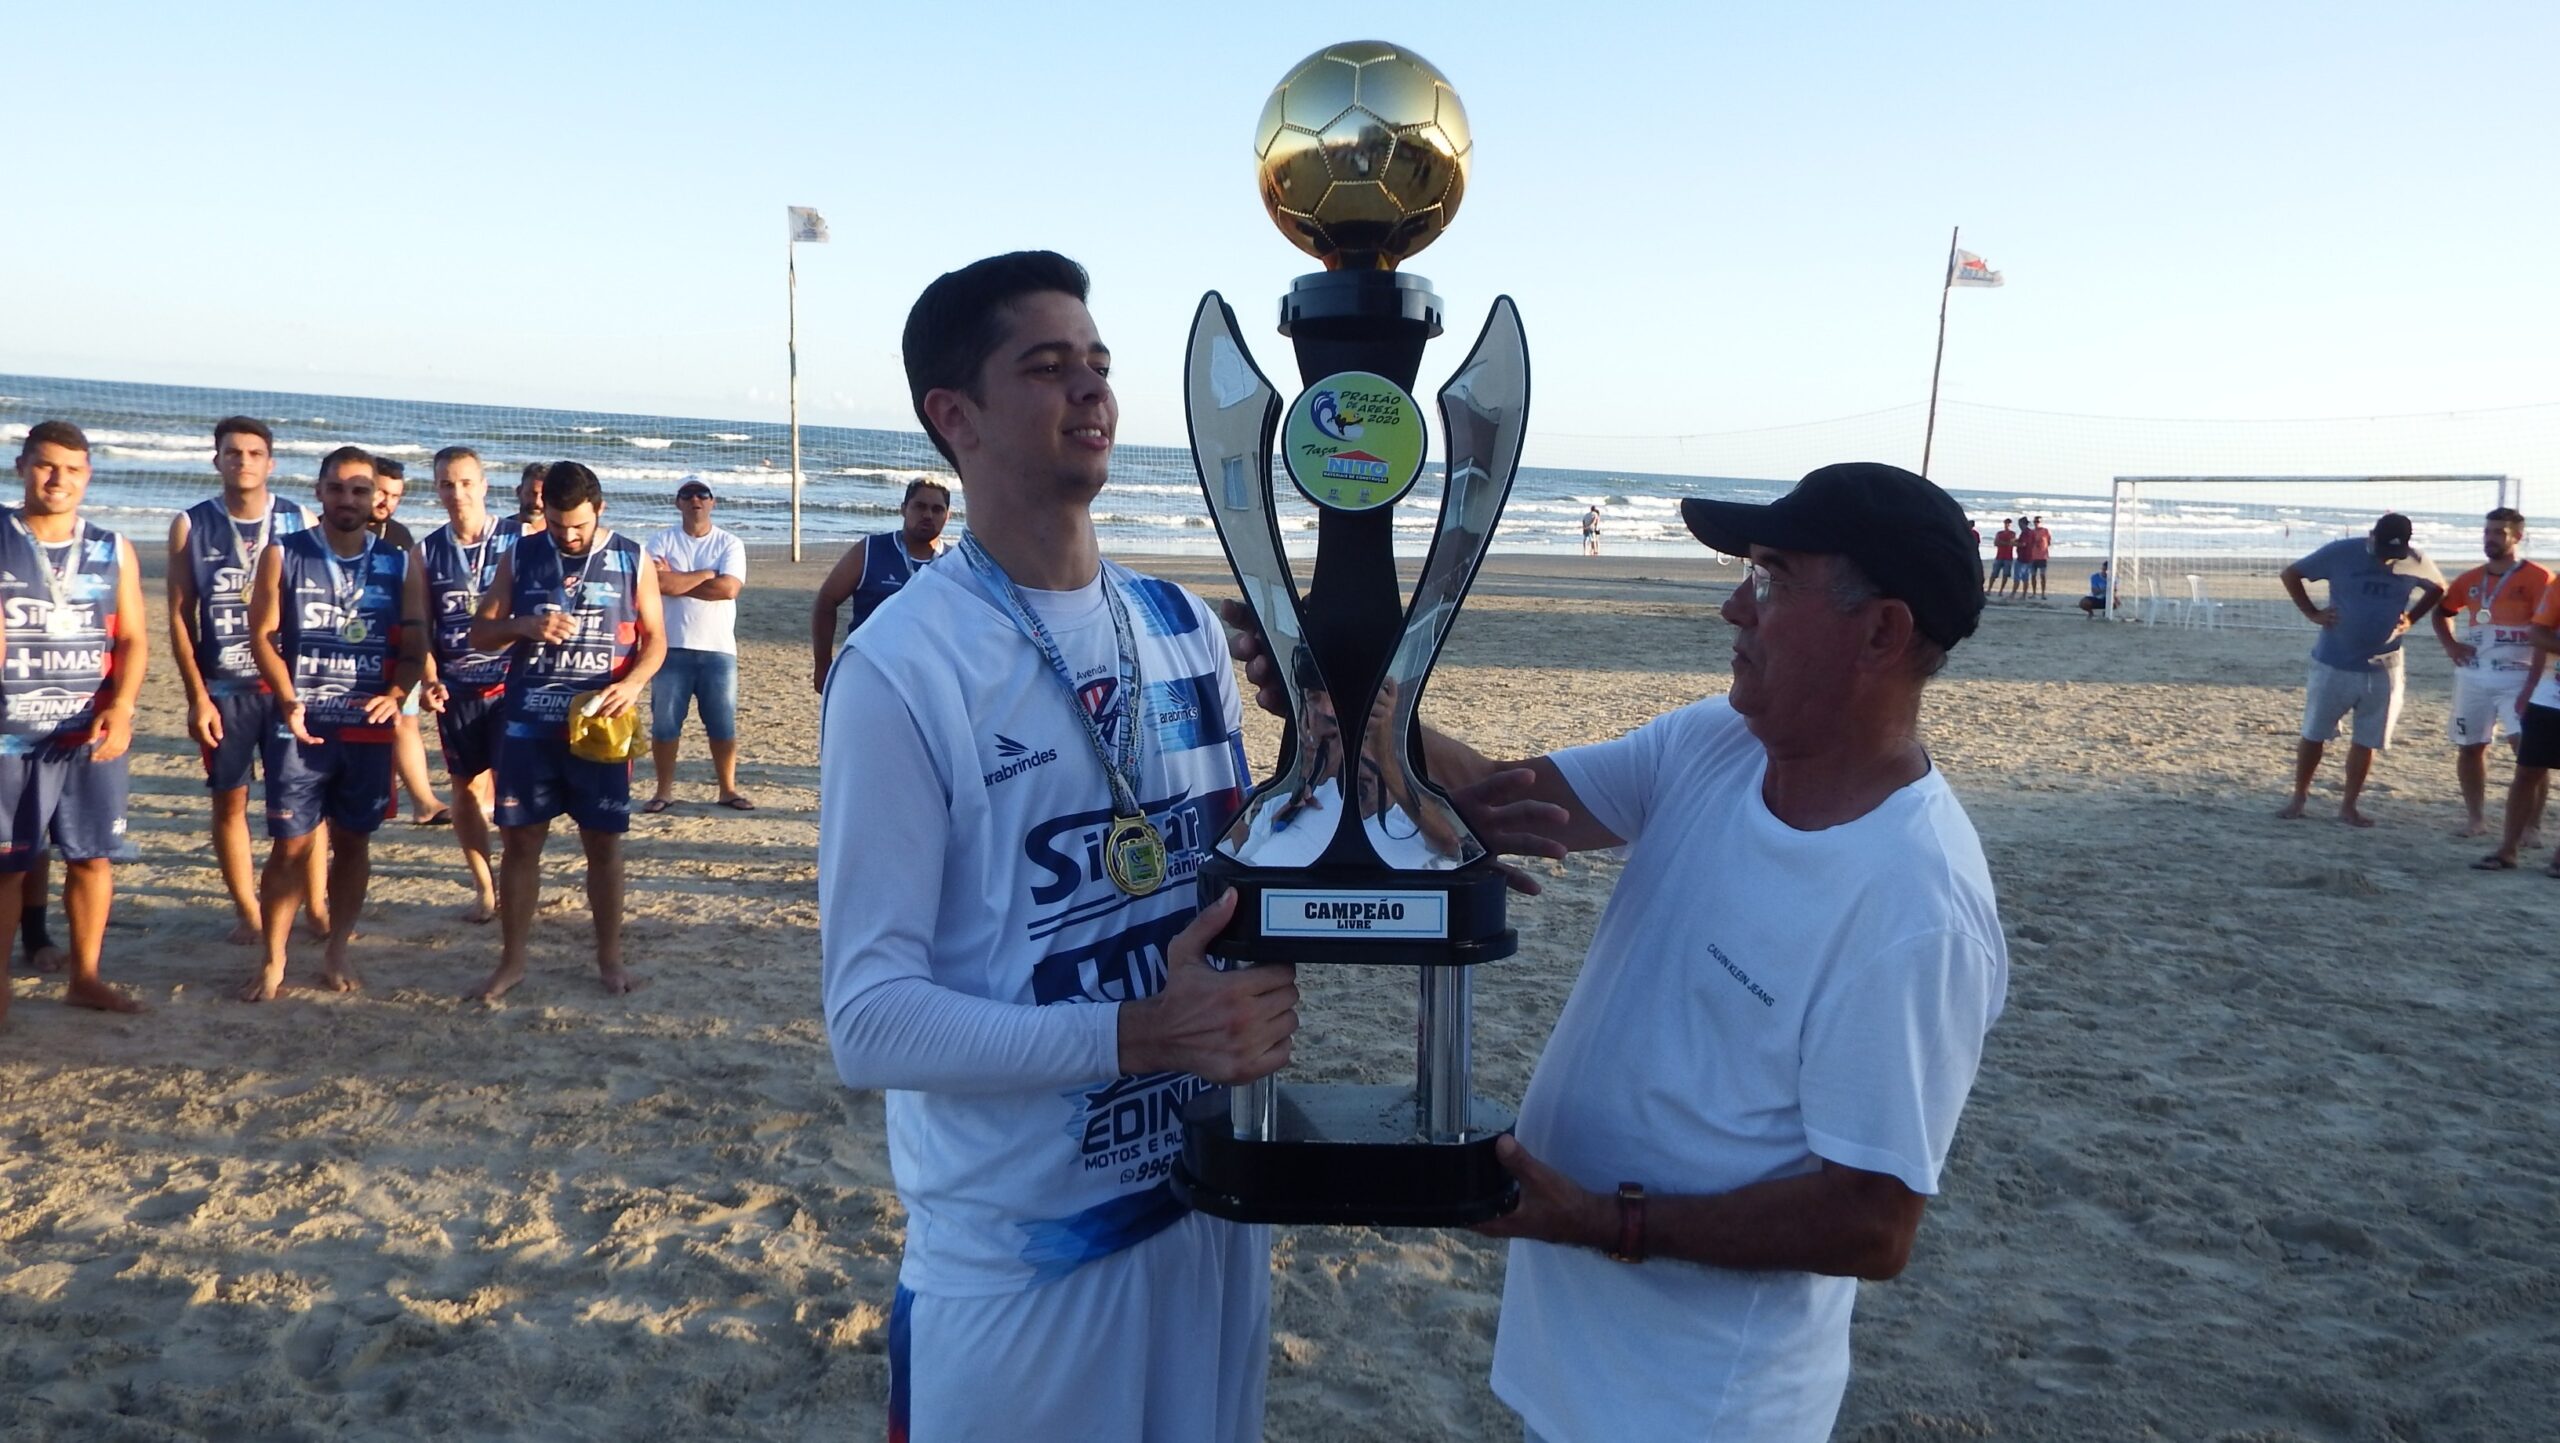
1348	1154
1387	919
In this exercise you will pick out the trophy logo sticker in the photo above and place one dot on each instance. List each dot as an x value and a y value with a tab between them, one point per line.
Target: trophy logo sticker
1353	441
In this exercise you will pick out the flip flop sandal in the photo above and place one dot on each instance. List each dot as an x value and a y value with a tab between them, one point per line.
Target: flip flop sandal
657	805
738	804
2493	863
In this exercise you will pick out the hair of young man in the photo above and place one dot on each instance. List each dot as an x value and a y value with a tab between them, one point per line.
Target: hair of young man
230	426
330	463
956	324
54	433
386	469
566	486
451	454
924	483
534	471
2508	517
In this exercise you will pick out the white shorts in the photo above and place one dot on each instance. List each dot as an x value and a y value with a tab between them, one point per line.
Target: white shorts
2374	697
1164	1342
2482	707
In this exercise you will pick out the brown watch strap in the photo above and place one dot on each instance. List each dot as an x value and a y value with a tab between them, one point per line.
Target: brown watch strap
1630	1248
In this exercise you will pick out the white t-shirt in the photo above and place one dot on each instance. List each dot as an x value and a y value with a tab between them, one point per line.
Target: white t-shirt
701	625
1756	998
964	915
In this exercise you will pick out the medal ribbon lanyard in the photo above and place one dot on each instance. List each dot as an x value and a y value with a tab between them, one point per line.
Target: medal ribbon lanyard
247	550
349	597
57	579
1122	768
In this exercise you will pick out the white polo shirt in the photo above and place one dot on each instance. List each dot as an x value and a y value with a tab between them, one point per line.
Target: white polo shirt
701	625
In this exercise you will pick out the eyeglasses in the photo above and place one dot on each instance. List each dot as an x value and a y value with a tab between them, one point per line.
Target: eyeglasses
1763	581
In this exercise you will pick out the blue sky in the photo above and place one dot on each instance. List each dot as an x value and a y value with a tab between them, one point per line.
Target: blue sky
1713	217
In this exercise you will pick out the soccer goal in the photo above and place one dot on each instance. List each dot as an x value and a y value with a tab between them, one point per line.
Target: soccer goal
2204	551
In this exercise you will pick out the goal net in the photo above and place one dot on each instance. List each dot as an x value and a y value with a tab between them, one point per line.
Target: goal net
2205	550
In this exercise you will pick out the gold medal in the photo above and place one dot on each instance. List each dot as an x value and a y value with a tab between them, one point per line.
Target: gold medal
354	631
1133	855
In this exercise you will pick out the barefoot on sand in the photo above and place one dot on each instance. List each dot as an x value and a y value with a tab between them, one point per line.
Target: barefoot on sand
243	934
263	987
500	983
2292	811
618	979
2354	818
49	958
98	996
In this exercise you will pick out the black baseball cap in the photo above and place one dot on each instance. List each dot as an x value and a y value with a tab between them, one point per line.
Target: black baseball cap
1910	538
693	486
2391	536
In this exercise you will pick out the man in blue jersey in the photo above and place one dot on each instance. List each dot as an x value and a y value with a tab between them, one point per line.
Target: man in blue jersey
576	607
872	569
463	686
1026	754
214	547
337	617
71	630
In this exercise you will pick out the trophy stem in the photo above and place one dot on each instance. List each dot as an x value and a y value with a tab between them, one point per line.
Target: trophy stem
1253	1110
1445	1034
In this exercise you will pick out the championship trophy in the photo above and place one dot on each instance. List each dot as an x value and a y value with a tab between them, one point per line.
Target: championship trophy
1350	856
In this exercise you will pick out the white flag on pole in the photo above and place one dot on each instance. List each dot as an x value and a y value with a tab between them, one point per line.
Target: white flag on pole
1971	270
808	225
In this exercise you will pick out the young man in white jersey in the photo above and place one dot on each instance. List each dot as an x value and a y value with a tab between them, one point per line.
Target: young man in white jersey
463	685
1752	1089
2494	602
1026	755
213	551
75	643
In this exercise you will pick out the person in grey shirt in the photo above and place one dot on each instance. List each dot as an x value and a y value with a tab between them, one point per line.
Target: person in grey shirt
2379	587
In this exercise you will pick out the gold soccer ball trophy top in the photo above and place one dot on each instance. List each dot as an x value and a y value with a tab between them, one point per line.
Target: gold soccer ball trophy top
1362	155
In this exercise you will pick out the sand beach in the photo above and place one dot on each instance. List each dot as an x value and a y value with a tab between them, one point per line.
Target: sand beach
2266	1147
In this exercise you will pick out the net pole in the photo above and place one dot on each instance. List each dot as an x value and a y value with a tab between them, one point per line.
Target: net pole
791	334
1946	288
2115	564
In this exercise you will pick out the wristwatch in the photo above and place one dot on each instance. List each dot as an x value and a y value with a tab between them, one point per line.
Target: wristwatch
1630	1248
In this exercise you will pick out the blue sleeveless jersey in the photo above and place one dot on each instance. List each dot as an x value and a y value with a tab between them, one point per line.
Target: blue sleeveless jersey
332	675
601	590
456	576
886	567
220	562
54	671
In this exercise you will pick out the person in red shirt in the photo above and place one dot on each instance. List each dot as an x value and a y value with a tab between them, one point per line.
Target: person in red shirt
2035	549
2004	551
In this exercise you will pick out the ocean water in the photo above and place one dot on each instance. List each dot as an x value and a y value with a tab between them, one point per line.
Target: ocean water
153	453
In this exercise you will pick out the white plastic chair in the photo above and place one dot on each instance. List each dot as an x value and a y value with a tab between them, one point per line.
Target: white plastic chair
2201	610
2159	610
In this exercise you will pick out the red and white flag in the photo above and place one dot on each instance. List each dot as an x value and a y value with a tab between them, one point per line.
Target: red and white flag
1971	270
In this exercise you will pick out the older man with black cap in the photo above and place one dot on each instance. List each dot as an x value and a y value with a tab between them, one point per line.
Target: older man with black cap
1752	1089
2379	586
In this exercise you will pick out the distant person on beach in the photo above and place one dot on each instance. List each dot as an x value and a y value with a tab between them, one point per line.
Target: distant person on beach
2495	602
577	608
2096	601
1685	1257
2004	557
1591	532
71	592
464	685
701	569
409	746
527	520
2537	744
214	548
2035	553
2379	585
1021	972
338	620
872	569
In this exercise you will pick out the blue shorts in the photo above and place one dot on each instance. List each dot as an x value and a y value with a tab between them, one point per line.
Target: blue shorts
2001	568
346	784
63	797
468	727
247	718
707	677
539	778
